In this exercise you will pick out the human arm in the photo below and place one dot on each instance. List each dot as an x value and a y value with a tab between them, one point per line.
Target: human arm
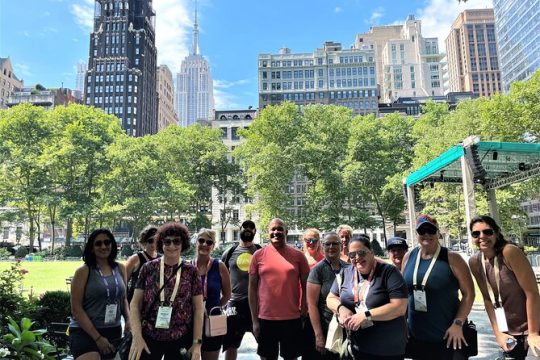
454	334
198	313
138	344
304	273
125	305
518	263
253	299
78	285
225	284
395	308
313	292
131	265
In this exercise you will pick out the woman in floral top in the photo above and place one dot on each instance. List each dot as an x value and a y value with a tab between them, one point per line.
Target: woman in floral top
167	322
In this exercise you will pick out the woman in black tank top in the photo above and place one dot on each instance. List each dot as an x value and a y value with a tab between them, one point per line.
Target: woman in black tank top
136	261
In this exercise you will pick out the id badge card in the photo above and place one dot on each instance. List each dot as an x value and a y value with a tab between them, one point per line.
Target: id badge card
500	316
163	320
420	300
110	313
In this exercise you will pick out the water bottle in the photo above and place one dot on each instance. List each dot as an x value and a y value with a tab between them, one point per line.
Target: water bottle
511	344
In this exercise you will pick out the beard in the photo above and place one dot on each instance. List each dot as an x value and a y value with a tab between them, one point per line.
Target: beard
247	237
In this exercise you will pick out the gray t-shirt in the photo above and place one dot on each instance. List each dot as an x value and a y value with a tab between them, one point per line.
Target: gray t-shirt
238	267
322	274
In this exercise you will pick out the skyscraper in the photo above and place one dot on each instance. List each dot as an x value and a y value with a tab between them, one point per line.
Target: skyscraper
517	24
165	89
473	59
194	86
79	81
121	76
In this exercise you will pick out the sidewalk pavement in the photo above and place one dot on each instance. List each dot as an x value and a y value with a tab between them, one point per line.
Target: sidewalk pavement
487	346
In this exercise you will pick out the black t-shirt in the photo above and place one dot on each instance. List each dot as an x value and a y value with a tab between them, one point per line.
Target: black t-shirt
384	338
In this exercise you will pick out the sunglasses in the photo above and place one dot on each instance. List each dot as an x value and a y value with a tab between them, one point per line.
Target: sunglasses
331	243
150	241
359	253
426	230
98	243
208	242
312	241
487	232
168	242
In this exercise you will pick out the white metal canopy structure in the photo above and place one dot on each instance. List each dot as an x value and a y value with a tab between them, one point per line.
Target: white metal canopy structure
491	164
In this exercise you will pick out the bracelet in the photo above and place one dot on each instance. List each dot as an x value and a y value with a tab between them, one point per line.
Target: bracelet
99	337
338	307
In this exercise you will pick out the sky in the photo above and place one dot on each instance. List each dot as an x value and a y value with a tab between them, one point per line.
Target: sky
45	39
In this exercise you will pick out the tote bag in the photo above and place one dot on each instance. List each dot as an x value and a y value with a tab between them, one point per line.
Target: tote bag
215	324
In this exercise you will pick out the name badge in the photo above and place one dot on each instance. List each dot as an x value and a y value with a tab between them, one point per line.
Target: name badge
110	313
501	319
420	300
163	320
360	309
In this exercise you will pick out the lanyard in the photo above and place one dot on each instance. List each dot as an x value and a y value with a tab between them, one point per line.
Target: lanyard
330	264
428	272
204	278
106	283
360	292
497	269
161	280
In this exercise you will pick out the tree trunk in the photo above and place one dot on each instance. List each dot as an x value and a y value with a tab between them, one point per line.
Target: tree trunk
379	210
69	230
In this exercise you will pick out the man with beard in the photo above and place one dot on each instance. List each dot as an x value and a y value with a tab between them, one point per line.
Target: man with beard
277	295
237	259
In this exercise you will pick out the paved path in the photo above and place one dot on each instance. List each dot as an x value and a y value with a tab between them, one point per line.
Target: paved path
487	346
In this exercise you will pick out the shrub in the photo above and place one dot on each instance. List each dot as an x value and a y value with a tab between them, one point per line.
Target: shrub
23	343
21	252
10	296
4	253
73	251
127	250
54	306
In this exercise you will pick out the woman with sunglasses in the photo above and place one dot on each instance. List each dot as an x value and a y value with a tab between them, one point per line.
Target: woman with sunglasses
167	305
510	295
135	262
216	284
98	299
312	247
434	276
371	304
319	282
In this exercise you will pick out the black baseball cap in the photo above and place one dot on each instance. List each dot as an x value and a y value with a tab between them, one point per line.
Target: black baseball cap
248	224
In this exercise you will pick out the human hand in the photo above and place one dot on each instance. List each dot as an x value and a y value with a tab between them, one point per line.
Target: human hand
355	321
195	352
343	315
104	346
256	329
454	337
534	343
502	339
137	346
320	341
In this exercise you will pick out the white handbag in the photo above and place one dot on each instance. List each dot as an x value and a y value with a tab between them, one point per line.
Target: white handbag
334	337
215	324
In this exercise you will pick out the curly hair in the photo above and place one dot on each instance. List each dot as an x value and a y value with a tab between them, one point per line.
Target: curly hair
175	229
148	232
89	257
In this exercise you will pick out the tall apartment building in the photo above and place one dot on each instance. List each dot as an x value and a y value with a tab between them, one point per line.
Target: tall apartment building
165	91
408	64
228	211
473	58
121	76
330	75
79	80
194	86
517	24
9	83
39	96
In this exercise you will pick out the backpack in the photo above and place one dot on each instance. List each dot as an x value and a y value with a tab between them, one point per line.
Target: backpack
228	253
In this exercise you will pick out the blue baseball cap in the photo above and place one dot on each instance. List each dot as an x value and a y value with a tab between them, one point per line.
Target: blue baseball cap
396	242
425	219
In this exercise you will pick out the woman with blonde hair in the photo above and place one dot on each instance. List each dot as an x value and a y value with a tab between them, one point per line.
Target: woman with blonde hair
312	246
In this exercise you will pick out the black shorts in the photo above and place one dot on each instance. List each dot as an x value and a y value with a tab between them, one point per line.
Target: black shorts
280	336
211	343
237	324
81	343
423	350
168	350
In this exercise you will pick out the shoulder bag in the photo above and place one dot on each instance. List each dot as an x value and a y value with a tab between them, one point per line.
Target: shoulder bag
335	335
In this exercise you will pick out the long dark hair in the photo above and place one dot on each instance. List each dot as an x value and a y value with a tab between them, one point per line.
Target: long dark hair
501	241
89	257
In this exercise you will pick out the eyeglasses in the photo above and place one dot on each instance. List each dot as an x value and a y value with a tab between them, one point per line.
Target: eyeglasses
331	243
98	243
426	230
487	232
359	253
312	241
208	242
168	242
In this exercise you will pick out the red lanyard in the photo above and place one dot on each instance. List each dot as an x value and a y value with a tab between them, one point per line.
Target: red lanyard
360	292
204	278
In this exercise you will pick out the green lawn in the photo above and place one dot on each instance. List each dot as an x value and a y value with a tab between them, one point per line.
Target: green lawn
46	275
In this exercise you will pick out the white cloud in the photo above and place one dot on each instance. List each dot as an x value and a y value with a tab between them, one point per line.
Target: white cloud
376	15
174	25
83	11
223	99
225	84
22	70
437	17
337	9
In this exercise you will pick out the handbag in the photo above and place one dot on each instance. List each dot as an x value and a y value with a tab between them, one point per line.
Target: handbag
471	337
215	324
124	346
335	336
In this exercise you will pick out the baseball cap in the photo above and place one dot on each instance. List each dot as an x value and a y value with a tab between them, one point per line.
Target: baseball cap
248	224
425	219
396	242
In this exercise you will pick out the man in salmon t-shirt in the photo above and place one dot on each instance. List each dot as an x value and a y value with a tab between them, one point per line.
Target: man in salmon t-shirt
277	287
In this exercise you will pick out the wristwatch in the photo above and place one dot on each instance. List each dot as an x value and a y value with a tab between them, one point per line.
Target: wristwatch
197	341
368	315
458	322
